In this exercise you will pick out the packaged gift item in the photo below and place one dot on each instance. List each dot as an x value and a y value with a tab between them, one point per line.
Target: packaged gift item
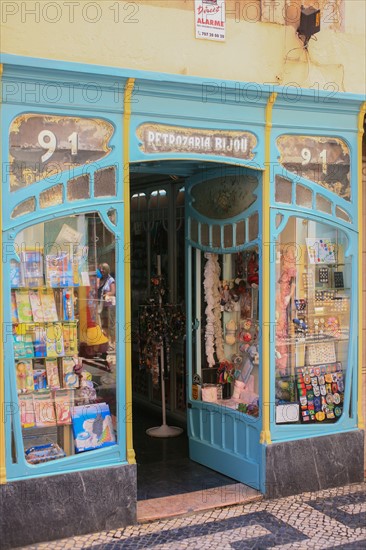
36	306
44	409
69	377
92	427
40	379
15	276
211	392
54	340
23	345
49	305
24	375
44	453
23	306
14	309
70	338
68	304
27	417
64	401
53	379
39	341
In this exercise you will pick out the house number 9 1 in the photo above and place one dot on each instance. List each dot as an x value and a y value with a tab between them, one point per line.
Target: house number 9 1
47	140
306	158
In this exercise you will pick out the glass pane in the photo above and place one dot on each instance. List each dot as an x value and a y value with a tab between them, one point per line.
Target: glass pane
324	160
158	199
313	278
323	204
253	227
283	190
228	236
63	297
224	197
279	218
51	197
44	145
240	233
194	230
226	358
304	196
138	202
25	207
340	213
216	236
205	234
112	215
105	182
181	197
78	188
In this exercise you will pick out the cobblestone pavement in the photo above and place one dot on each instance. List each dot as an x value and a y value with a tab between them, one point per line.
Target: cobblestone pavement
334	518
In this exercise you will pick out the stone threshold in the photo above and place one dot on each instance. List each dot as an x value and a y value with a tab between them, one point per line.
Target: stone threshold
196	501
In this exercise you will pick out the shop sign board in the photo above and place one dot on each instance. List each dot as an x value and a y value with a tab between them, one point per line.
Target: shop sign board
44	145
324	160
162	138
210	19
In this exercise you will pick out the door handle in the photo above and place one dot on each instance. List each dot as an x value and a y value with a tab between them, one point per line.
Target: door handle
195	324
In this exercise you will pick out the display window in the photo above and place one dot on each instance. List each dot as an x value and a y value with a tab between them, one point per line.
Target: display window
312	322
228	352
63	329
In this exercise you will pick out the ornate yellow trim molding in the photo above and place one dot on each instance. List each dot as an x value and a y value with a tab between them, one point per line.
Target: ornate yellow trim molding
265	436
361	116
127	265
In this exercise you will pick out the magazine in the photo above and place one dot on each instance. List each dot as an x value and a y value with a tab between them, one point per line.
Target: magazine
32	267
59	270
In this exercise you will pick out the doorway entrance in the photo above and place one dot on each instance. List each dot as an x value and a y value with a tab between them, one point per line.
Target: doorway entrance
159	276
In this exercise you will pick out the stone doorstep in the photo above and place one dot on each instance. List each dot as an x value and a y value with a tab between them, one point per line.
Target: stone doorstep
197	501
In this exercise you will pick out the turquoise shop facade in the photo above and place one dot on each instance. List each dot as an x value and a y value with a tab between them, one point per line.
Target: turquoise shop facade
205	132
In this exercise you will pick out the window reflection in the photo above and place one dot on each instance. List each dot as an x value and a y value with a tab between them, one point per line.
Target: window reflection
63	298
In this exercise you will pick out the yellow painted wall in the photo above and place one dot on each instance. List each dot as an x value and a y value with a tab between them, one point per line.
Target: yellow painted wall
143	35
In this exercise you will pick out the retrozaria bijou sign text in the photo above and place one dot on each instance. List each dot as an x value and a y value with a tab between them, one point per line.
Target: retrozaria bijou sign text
161	138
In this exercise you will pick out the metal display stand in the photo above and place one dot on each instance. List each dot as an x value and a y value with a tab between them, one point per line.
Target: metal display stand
164	430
